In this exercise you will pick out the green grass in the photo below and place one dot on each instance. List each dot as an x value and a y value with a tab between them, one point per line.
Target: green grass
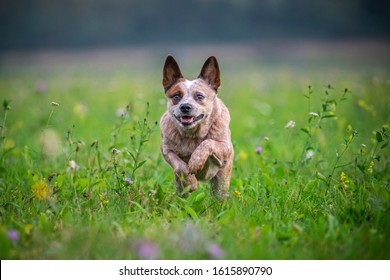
318	190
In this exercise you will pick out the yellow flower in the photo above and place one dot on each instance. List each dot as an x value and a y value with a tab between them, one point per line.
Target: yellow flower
242	155
344	180
237	193
40	190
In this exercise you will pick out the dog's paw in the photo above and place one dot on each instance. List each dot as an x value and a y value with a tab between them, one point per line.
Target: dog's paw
197	161
191	182
181	170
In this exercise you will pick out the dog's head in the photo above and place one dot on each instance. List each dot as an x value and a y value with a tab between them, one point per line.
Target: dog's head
190	103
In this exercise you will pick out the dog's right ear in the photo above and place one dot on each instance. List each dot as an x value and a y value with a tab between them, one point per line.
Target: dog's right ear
171	72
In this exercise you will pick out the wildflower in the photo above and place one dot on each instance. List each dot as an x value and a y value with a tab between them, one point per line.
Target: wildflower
55	104
313	114
115	151
344	180
147	250
370	168
120	112
215	251
73	165
40	190
237	193
128	180
242	155
13	235
309	154
41	86
290	124
259	150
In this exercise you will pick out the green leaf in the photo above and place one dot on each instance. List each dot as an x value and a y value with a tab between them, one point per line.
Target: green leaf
140	164
200	197
305	130
321	177
328	116
384	145
191	212
379	137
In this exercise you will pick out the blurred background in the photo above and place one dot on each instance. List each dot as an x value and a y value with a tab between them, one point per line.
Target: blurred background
48	24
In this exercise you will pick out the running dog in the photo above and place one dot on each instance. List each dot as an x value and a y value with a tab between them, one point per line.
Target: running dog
195	129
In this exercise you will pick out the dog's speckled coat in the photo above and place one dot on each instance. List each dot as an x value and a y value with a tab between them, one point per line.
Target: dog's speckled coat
195	129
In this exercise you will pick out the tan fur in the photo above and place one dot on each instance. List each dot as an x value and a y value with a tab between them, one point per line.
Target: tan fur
195	129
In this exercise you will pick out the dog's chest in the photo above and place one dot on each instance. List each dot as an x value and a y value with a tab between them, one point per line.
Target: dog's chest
186	146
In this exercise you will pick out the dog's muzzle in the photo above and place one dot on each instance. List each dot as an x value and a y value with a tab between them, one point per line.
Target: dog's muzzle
188	120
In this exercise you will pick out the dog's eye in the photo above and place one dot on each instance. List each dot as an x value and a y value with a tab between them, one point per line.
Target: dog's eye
199	96
176	97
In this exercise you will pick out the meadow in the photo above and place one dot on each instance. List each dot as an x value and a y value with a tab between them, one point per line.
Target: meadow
82	177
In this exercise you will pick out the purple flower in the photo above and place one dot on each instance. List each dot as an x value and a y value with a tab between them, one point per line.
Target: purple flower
215	251
259	150
147	250
128	180
41	86
13	235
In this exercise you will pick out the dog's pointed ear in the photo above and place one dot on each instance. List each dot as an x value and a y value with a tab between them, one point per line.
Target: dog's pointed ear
171	72
210	73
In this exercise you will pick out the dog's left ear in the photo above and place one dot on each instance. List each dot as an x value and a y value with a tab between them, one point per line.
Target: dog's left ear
210	73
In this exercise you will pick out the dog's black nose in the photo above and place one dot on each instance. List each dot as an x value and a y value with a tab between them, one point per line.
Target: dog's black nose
185	108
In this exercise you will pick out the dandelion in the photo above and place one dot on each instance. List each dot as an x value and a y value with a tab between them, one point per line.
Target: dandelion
237	193
13	235
313	114
128	180
259	150
215	251
40	190
147	250
289	125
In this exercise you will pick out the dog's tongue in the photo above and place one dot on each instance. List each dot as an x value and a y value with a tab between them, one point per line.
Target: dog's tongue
187	119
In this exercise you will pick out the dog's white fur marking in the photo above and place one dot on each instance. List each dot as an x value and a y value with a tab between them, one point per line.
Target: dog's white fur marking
189	83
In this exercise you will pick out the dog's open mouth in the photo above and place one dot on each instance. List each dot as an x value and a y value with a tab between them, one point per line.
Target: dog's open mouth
189	120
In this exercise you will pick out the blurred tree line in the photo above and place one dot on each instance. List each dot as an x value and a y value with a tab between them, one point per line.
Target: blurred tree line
82	23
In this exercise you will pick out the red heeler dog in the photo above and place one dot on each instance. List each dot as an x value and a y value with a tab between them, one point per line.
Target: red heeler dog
195	129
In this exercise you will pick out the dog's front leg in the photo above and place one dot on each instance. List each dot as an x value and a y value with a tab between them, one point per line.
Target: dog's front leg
219	150
183	178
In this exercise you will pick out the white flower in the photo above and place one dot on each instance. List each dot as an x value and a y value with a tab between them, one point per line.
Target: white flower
115	151
313	114
120	112
290	124
309	154
73	165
